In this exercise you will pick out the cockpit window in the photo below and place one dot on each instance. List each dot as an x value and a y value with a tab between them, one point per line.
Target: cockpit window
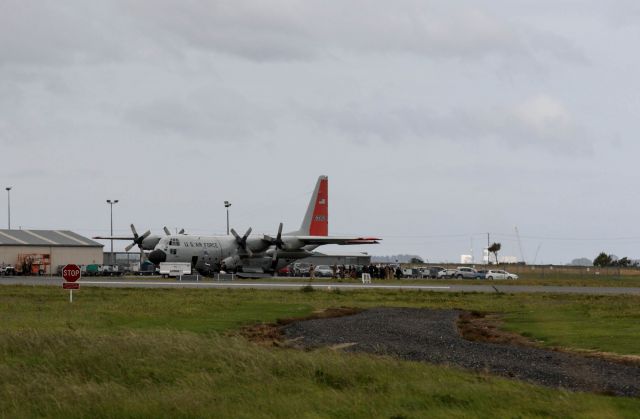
174	242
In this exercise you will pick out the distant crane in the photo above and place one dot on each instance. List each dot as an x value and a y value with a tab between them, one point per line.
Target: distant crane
520	245
537	251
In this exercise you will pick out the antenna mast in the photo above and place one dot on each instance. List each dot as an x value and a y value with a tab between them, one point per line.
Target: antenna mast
520	245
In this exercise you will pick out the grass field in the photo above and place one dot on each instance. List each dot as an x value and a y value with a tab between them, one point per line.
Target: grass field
172	353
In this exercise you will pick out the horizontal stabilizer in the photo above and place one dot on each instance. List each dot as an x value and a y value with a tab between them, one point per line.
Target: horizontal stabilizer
320	240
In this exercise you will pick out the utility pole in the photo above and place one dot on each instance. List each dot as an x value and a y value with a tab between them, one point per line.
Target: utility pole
111	204
520	245
227	204
488	246
472	258
8	188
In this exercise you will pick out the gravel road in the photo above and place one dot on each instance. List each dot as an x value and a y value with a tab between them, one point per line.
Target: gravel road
432	336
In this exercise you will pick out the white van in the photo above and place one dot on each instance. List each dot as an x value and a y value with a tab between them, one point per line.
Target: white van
175	269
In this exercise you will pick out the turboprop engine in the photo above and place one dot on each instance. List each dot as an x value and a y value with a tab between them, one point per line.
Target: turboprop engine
231	263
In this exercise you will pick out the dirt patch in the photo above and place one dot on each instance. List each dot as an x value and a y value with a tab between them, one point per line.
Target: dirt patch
486	327
271	334
322	314
266	334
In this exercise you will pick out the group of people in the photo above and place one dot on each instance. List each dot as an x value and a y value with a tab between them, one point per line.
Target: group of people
383	271
355	271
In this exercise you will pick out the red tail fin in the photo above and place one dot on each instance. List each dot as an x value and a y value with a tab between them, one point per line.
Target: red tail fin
316	220
320	221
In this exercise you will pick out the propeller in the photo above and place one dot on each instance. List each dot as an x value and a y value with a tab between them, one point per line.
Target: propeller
137	240
242	241
168	233
279	244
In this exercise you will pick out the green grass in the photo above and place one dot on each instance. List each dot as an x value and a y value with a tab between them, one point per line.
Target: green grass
168	353
181	374
590	322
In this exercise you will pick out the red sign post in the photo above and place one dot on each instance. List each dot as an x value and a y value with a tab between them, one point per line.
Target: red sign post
71	273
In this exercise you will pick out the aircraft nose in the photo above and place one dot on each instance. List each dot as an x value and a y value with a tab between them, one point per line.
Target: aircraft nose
157	256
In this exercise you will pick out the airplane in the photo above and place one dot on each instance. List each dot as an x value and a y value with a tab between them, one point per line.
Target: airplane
263	254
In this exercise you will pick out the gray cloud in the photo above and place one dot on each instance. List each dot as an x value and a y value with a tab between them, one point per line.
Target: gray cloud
279	30
296	30
211	115
58	33
254	30
620	13
539	122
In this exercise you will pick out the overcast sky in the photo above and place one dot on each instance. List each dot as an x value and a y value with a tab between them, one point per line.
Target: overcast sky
436	121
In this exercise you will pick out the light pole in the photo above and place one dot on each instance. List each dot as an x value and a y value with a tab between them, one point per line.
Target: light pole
8	188
227	204
111	204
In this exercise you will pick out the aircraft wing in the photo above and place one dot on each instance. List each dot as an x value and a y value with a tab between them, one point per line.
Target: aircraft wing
341	240
113	238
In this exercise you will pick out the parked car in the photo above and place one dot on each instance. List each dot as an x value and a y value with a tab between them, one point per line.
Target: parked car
410	273
466	273
323	271
91	270
146	268
300	269
500	274
286	271
481	274
110	270
446	273
430	272
7	270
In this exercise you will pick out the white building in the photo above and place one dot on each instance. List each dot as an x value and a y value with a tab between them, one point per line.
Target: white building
466	259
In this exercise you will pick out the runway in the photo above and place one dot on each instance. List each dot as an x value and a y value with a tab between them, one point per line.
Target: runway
324	285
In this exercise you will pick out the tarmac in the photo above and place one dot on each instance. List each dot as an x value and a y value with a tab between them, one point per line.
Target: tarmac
261	284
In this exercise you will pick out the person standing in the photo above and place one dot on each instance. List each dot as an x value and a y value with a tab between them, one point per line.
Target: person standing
312	272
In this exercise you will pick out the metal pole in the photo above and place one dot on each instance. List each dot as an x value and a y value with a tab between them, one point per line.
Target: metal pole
9	206
111	230
111	203
227	204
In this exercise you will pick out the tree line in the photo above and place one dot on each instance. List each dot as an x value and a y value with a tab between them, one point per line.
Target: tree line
605	260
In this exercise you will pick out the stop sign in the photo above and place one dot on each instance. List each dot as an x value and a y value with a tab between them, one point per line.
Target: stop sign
71	272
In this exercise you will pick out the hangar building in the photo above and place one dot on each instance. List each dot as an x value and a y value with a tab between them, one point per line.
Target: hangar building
42	251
